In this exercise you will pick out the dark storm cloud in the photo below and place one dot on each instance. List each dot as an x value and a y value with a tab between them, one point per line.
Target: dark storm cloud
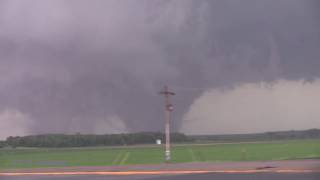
70	65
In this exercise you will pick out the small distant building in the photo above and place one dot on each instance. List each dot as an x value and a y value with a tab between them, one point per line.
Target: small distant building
158	141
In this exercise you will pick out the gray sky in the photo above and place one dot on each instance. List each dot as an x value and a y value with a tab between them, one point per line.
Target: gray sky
95	66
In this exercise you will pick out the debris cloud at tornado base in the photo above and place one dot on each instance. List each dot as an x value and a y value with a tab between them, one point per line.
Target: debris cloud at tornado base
255	107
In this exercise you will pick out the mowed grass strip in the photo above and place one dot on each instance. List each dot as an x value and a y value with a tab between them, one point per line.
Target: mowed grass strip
117	158
284	150
193	157
125	158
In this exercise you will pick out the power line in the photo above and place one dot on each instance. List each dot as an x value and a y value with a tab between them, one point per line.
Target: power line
179	88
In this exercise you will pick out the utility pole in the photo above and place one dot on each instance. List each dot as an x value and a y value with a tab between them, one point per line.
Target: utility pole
168	110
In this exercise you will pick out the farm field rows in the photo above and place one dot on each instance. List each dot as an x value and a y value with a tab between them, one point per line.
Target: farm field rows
106	156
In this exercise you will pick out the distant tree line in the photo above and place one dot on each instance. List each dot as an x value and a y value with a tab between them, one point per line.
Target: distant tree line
83	140
2	144
268	136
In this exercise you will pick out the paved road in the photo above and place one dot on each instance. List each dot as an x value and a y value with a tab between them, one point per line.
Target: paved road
218	176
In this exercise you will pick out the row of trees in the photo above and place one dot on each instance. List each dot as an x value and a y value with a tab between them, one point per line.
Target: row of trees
2	144
82	140
268	136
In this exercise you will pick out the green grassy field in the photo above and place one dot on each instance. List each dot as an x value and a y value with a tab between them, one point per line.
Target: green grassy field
103	156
